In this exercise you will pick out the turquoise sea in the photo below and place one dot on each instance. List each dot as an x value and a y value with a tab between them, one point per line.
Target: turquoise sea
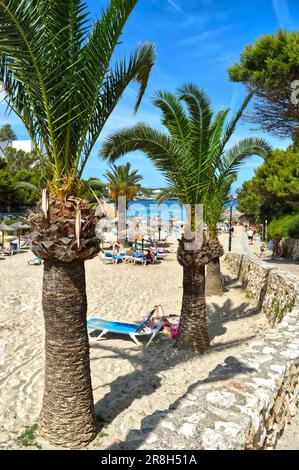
166	210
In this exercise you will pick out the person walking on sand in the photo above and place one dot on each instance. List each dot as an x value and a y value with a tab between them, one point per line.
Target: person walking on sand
250	236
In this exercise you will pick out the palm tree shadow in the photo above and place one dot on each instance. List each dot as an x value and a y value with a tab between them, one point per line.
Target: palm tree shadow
226	371
146	377
279	261
218	315
230	281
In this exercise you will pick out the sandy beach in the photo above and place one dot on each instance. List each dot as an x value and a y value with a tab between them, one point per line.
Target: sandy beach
129	382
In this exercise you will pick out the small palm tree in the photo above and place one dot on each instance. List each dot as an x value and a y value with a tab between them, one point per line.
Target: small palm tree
214	204
224	168
189	154
123	181
61	79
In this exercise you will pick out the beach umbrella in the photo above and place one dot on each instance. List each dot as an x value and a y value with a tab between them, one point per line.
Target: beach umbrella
138	231
18	227
4	228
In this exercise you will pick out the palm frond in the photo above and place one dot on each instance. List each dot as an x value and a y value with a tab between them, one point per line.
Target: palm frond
191	154
174	117
137	69
59	76
242	150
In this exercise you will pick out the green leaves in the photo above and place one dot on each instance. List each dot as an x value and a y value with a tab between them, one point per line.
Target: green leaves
191	155
123	181
268	67
59	77
136	69
274	190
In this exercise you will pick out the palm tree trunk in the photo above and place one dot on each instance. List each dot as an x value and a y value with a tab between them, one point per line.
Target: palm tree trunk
67	417
213	274
214	281
193	331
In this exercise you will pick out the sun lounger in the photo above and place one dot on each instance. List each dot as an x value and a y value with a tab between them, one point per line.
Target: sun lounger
160	254
13	251
35	262
107	257
131	329
139	258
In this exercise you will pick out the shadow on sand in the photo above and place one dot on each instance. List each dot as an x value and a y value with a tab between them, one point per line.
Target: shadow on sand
222	372
147	374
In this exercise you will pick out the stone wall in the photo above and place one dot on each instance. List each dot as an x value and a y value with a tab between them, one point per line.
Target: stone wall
246	401
272	290
290	248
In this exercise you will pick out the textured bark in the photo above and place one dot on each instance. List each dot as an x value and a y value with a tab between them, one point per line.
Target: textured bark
54	235
67	417
193	331
214	280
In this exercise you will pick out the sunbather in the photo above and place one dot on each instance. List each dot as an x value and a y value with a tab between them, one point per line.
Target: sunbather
133	330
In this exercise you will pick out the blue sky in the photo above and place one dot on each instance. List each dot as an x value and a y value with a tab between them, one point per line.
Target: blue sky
196	42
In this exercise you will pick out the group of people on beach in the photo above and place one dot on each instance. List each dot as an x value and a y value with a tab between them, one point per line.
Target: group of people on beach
118	248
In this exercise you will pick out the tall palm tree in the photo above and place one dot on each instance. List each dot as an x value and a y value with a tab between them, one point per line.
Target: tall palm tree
61	80
188	154
123	181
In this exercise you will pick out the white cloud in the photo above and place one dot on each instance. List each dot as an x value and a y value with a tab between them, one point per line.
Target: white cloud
177	7
208	34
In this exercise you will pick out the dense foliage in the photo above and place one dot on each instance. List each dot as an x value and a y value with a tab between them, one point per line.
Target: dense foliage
269	67
274	190
61	77
21	179
286	226
7	134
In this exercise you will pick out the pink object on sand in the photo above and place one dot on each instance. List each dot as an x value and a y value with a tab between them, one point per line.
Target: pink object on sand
174	332
167	330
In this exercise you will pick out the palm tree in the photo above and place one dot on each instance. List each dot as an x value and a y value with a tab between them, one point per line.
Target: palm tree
60	79
188	154
214	204
224	167
122	181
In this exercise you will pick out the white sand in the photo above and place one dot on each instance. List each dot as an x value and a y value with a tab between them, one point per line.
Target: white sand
129	382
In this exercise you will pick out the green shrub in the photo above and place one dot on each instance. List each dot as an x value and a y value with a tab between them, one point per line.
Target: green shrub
286	226
28	437
279	226
293	227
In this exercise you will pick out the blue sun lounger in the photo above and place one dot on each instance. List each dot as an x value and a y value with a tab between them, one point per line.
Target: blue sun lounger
35	262
131	329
